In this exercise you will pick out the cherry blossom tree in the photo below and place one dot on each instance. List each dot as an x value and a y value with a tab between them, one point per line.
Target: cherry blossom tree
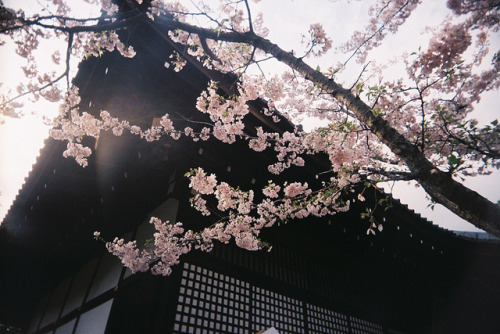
417	127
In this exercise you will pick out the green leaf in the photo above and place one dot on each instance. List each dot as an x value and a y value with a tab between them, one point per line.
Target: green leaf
453	160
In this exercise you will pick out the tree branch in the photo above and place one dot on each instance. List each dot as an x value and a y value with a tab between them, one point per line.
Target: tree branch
461	200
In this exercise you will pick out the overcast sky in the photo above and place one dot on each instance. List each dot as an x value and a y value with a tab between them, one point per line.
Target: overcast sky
21	139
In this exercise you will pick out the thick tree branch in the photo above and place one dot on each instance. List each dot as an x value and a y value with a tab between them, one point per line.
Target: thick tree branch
461	200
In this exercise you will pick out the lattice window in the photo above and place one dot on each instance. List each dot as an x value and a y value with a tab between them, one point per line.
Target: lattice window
322	320
210	302
360	326
270	309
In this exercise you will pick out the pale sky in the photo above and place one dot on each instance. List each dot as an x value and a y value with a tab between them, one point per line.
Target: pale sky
21	139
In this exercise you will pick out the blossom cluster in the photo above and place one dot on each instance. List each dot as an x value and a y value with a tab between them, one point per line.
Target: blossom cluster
245	218
95	44
227	113
131	257
260	143
72	126
170	242
319	38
